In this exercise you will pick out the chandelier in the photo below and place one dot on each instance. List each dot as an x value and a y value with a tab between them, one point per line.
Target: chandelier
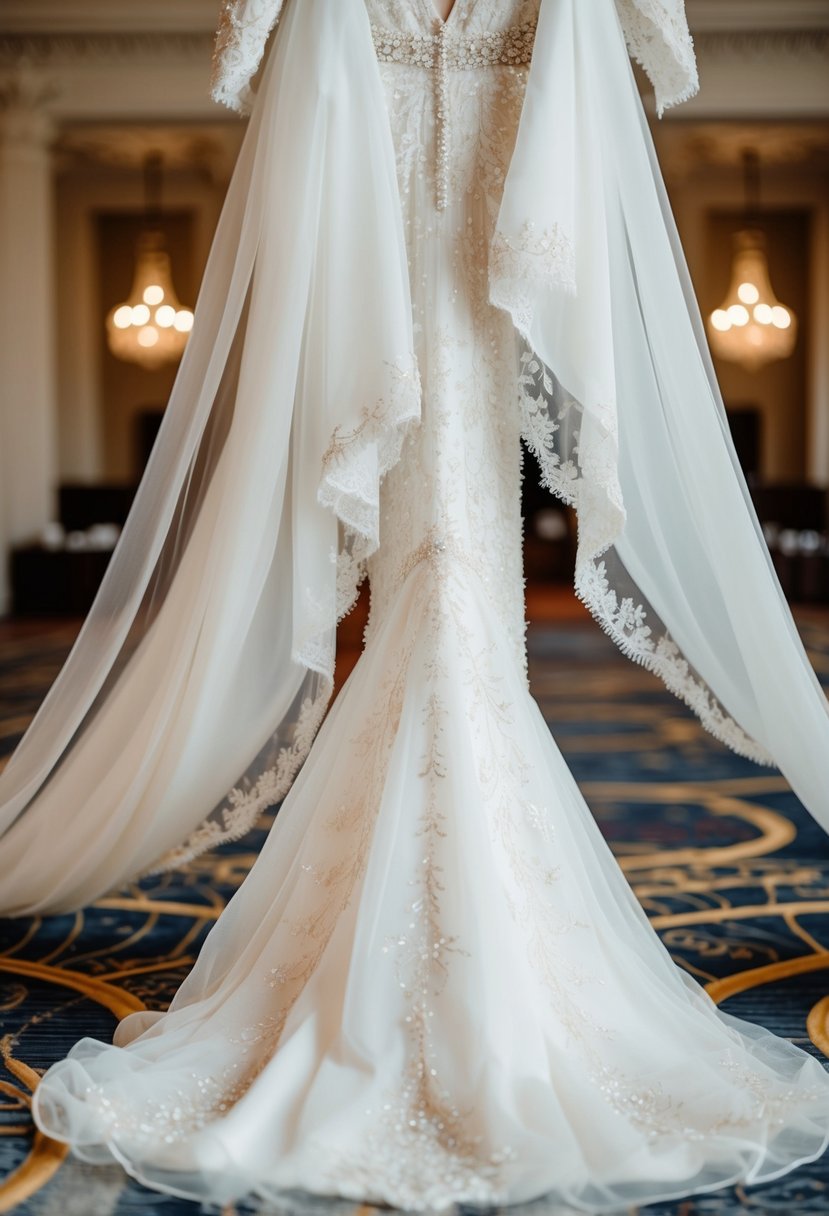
751	326
151	326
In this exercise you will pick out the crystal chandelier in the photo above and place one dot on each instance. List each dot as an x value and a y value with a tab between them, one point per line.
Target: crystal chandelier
151	327
751	326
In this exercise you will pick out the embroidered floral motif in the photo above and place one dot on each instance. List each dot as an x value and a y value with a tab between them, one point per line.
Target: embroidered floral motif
587	480
353	468
244	806
532	257
626	622
244	27
658	38
421	1127
444	52
355	461
653	1111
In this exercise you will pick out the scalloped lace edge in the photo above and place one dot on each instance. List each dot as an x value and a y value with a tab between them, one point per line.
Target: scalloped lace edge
660	41
244	807
241	37
592	488
355	500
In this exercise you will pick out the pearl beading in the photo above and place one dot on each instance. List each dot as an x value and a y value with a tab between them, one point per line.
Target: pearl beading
445	52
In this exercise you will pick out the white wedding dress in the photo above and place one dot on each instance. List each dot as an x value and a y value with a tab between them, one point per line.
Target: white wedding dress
436	985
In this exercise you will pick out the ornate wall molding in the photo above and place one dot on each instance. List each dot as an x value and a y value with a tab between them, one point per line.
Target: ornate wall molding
133	47
156	16
708	16
757	57
768	46
52	32
104	16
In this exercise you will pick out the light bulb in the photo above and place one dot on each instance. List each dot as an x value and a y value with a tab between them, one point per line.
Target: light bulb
150	327
721	320
747	292
738	314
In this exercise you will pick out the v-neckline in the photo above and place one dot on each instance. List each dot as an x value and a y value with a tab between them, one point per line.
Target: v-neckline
429	5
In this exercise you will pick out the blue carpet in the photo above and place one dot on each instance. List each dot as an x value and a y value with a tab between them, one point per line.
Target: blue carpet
733	873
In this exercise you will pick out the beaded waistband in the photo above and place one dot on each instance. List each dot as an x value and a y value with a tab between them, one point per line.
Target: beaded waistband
444	52
454	52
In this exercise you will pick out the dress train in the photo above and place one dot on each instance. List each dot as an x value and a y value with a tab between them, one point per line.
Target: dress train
450	993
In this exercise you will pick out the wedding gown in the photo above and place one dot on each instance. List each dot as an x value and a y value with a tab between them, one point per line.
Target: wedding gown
436	985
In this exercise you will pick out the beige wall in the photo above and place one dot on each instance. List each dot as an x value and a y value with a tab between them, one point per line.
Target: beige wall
794	395
127	389
98	218
778	390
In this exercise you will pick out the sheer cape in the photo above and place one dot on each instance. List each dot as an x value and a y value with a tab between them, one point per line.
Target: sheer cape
207	661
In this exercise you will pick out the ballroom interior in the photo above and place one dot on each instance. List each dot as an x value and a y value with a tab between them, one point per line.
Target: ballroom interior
108	131
114	163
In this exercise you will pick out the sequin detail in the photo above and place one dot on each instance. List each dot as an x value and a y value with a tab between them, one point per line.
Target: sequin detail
444	52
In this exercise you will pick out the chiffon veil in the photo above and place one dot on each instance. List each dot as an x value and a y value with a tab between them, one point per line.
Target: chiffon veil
207	659
206	663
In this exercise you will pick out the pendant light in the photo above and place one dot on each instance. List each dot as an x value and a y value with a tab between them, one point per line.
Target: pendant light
151	327
751	326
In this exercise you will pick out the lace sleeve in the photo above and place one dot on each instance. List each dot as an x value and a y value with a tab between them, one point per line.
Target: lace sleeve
244	26
658	38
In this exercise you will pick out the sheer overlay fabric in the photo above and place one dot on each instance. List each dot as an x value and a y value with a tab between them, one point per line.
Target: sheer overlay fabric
207	661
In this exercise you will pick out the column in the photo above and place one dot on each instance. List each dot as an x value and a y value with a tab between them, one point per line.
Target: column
28	374
817	433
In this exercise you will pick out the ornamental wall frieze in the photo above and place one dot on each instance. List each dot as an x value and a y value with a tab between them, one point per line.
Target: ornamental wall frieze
72	49
763	46
744	44
141	46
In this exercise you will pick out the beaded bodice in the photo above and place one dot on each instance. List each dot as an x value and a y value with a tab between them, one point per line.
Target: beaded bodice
447	49
454	92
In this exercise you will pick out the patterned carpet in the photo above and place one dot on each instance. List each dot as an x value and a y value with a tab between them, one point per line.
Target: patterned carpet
732	872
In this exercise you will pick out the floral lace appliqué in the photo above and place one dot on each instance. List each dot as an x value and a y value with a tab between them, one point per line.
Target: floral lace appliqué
658	38
587	480
244	27
531	258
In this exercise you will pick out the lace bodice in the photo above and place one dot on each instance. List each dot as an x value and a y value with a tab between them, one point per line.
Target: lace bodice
454	92
656	32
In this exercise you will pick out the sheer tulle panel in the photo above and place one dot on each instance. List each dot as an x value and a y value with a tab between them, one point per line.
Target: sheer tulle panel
152	668
553	426
209	652
606	311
